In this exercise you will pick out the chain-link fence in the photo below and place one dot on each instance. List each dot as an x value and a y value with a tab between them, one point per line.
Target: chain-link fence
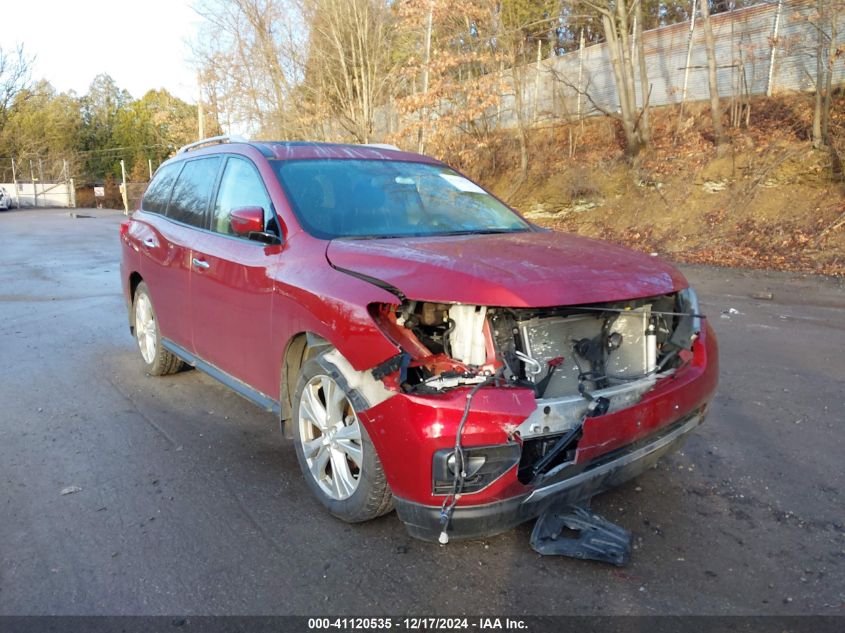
40	182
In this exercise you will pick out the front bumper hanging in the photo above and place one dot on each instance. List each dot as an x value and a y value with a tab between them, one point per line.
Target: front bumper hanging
565	488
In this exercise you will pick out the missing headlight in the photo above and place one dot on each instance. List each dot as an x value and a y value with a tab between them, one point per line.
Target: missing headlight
689	325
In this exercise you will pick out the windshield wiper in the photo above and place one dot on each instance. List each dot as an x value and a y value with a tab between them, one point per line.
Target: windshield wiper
386	236
481	232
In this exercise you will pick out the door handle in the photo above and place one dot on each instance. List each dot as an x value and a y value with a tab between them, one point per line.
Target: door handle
200	263
150	243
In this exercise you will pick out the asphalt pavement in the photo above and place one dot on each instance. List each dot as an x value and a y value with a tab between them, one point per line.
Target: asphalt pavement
183	498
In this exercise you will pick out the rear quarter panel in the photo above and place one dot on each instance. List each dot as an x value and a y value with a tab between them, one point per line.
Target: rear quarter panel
130	260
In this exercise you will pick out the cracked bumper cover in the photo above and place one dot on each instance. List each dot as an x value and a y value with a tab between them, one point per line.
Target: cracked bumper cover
613	448
423	521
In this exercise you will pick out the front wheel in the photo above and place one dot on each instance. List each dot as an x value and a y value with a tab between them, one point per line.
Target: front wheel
335	452
157	360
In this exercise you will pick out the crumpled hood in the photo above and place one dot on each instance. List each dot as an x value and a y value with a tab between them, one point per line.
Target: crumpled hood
531	269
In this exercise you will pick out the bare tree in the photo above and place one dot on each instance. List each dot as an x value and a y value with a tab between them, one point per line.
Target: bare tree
618	31
247	55
447	83
715	106
349	67
15	74
645	87
524	25
827	51
426	72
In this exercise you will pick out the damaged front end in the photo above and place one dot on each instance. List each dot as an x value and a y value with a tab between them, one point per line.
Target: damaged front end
556	391
443	346
590	361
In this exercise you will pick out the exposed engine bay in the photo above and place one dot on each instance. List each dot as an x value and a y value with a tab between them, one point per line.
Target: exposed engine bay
559	352
581	361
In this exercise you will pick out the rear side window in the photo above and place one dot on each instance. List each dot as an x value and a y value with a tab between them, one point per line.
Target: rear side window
189	201
158	193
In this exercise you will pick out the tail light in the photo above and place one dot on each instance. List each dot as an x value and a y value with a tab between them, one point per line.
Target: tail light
124	227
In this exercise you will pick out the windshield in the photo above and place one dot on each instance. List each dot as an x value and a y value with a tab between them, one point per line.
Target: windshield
379	199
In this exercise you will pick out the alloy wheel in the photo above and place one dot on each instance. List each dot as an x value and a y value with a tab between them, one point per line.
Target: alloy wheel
330	437
145	327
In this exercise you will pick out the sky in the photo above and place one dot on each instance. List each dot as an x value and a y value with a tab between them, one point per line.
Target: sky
143	45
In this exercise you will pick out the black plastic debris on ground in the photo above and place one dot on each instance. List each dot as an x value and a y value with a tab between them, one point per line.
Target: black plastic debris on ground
577	532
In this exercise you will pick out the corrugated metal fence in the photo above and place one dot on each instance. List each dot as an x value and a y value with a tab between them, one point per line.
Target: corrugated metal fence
763	49
41	194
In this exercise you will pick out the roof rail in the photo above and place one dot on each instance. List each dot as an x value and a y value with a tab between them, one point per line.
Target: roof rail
381	146
224	138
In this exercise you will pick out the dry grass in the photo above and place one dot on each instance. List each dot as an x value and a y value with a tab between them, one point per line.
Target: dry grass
771	202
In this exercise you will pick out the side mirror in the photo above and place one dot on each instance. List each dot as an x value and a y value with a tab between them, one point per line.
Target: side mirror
247	220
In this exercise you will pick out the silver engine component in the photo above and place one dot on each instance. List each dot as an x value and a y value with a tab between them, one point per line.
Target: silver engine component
548	338
560	414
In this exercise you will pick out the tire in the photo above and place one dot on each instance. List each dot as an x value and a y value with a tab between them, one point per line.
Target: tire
336	441
157	360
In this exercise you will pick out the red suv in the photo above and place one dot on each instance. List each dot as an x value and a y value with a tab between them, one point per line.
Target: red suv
425	347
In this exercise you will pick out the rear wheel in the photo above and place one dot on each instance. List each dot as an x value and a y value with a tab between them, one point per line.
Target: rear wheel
335	452
157	360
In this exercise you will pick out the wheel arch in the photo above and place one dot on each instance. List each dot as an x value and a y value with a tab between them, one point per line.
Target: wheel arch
300	348
133	281
363	389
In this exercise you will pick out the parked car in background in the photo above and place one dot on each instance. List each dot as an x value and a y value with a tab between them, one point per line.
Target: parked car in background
6	201
425	347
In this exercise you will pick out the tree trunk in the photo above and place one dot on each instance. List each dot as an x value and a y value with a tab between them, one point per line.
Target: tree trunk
425	77
523	152
715	107
626	52
518	81
645	88
818	139
632	141
828	88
